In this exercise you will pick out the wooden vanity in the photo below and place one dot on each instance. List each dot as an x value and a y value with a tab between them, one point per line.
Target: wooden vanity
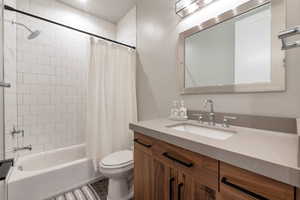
166	172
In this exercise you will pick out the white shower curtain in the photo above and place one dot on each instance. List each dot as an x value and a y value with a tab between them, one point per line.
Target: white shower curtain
111	103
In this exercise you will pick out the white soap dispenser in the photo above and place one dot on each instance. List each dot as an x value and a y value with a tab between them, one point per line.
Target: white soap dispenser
183	111
174	111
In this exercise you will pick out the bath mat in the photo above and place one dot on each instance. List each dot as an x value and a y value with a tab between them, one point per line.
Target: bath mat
83	193
94	191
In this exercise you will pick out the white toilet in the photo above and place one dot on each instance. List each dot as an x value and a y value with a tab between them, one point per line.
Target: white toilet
118	167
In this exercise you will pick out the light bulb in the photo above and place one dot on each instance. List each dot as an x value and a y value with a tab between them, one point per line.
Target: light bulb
207	1
82	1
192	8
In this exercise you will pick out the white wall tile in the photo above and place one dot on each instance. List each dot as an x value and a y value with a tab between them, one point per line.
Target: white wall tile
49	76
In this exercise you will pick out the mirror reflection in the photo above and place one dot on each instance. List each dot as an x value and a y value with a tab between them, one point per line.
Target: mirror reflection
234	52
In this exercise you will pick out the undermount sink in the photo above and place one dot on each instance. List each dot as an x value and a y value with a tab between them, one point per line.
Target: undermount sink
214	133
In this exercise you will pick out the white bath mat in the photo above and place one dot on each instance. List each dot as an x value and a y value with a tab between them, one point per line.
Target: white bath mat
83	193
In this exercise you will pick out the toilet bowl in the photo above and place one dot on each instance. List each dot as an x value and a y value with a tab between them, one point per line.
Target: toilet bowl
118	167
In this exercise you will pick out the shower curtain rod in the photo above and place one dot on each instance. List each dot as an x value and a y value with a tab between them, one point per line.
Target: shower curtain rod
6	7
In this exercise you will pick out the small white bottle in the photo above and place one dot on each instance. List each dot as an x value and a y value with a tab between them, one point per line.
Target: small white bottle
174	110
183	111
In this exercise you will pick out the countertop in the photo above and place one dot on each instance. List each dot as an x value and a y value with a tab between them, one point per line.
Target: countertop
268	153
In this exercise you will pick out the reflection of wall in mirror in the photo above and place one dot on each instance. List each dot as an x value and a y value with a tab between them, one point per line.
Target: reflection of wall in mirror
209	57
253	48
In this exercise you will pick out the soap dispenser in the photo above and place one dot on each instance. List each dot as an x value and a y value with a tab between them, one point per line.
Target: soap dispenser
183	111
174	111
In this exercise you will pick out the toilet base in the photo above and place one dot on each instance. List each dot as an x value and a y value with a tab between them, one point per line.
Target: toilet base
118	189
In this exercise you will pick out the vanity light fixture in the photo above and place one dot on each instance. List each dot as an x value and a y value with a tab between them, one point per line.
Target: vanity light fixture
187	7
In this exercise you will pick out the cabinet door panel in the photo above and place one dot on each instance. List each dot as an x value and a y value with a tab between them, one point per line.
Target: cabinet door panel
165	180
195	165
143	175
192	189
159	183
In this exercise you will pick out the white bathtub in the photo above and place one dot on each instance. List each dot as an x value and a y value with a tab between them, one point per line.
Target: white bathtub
42	175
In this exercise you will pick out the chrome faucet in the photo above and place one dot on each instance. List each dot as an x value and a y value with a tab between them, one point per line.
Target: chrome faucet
29	148
211	114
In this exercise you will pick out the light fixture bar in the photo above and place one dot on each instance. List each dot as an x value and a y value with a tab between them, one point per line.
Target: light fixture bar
182	4
187	7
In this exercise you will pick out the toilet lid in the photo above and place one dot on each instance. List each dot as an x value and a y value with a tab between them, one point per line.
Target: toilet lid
118	158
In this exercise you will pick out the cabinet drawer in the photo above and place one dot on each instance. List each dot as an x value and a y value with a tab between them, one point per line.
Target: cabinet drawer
200	167
236	183
143	143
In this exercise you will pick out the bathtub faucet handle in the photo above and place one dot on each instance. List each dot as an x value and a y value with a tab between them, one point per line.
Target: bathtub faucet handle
17	132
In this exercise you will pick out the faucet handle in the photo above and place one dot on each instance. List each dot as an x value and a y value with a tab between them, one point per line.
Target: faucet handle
227	119
207	101
16	131
200	117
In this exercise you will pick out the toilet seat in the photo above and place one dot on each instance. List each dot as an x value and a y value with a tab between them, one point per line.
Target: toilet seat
118	159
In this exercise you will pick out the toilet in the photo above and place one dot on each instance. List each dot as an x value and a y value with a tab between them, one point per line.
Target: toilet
118	167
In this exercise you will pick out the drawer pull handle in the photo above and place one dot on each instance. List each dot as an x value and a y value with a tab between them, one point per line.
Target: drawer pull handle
186	164
172	180
252	194
143	144
180	186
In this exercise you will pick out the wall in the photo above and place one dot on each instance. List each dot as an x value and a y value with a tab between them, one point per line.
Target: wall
10	76
49	75
157	80
126	28
2	183
1	92
2	189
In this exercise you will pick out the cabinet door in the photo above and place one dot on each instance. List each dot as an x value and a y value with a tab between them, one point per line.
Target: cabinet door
197	166
165	180
190	188
143	174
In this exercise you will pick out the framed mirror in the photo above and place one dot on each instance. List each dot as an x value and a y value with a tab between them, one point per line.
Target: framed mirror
236	52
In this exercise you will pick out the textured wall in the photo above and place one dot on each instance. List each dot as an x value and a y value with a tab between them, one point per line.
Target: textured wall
157	35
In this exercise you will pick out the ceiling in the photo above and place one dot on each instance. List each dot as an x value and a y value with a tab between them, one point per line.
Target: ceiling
111	10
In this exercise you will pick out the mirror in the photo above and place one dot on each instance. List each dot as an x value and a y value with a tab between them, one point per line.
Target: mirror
241	53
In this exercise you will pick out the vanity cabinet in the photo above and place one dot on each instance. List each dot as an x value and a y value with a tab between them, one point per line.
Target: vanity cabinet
166	172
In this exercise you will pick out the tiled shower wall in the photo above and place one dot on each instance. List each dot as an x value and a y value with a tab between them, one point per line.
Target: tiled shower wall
48	99
51	86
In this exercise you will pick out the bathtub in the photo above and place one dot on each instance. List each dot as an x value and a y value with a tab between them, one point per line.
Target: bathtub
43	175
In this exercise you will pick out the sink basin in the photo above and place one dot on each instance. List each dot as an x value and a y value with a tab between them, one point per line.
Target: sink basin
214	133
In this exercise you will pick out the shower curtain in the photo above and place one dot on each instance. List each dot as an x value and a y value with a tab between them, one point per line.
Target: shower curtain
111	103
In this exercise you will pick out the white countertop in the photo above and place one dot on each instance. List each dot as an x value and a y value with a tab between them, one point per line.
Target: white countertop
272	154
